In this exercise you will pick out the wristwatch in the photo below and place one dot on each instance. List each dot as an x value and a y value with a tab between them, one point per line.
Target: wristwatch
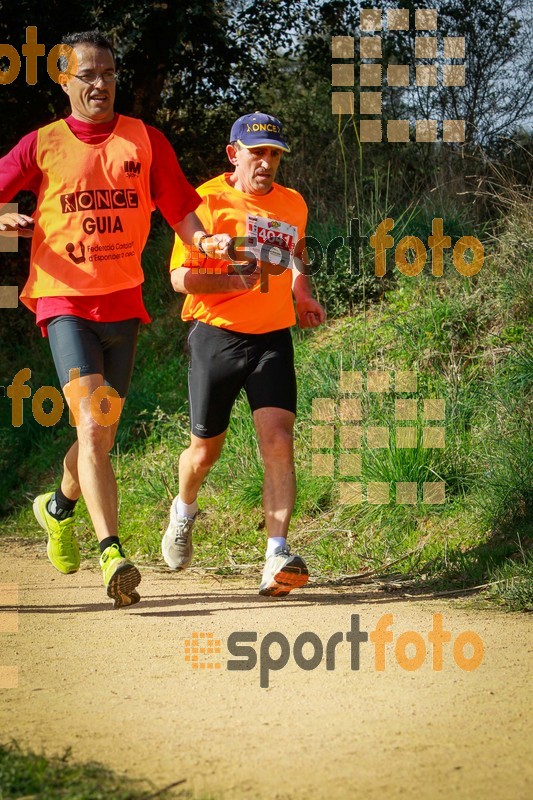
199	243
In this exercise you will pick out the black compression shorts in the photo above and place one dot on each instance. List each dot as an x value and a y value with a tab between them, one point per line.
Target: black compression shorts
104	348
223	362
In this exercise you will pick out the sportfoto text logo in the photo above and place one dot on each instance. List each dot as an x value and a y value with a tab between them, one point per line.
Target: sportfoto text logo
105	402
409	650
410	253
31	51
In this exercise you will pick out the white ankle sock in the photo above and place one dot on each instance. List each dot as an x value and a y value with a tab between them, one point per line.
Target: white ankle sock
273	542
186	509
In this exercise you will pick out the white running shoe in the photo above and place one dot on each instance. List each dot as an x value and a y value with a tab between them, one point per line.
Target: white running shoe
282	573
176	544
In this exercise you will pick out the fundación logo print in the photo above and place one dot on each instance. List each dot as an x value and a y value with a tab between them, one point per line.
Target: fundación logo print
344	418
409	649
430	68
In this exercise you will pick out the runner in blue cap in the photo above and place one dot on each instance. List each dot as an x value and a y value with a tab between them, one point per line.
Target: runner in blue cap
240	339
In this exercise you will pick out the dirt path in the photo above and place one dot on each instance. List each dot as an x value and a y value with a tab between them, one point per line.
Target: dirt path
117	688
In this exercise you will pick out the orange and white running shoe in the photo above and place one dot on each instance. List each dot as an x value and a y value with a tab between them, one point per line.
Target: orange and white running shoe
282	573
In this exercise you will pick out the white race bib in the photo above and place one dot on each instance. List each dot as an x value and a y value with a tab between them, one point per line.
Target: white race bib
271	240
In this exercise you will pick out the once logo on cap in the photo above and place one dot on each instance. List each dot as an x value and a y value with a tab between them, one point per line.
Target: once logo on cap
256	130
261	127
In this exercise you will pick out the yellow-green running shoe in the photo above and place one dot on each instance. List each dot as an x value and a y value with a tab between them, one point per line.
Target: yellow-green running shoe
62	546
120	577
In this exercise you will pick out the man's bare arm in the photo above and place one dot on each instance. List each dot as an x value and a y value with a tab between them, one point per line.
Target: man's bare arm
309	311
190	280
191	231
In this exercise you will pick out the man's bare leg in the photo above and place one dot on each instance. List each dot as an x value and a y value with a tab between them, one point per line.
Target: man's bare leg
92	474
87	468
274	428
195	463
283	571
70	482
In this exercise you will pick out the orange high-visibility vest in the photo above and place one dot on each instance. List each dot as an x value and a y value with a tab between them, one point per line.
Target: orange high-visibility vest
93	212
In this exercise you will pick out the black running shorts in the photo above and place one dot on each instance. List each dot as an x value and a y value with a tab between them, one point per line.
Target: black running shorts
223	362
104	348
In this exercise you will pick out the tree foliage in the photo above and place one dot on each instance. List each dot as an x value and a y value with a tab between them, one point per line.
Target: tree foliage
192	67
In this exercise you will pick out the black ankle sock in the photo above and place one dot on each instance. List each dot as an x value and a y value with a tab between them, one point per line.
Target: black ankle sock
105	543
59	506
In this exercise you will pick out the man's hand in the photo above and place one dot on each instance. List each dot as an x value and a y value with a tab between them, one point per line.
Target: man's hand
216	246
17	222
243	280
191	232
310	313
192	281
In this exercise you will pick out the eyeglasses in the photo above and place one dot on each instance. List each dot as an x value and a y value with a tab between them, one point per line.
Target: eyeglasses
91	78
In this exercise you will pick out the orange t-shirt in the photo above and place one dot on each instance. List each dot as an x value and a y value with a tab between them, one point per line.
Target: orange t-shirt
277	219
93	212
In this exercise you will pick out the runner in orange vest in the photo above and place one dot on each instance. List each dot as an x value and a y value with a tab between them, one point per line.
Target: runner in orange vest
97	176
240	338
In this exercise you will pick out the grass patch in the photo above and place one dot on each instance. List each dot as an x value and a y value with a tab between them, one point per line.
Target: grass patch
468	341
25	774
513	585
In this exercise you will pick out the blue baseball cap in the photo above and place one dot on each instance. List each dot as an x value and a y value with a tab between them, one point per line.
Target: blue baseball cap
256	130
